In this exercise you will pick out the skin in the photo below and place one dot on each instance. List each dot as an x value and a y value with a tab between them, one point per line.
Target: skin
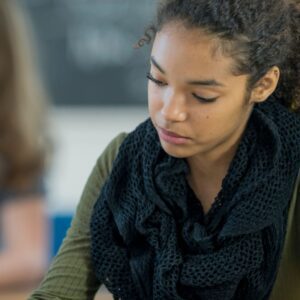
24	229
212	130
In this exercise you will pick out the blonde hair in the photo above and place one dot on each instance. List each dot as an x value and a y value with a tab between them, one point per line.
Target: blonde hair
23	137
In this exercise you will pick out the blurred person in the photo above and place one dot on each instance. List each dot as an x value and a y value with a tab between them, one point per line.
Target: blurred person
200	200
23	147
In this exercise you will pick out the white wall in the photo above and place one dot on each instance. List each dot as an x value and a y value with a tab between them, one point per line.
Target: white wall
81	134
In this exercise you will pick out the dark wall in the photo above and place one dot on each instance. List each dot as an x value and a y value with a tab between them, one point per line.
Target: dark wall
86	49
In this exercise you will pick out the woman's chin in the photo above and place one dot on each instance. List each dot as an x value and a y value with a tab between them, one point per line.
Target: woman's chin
177	151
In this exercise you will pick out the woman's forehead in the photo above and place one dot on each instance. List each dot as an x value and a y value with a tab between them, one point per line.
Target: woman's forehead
182	50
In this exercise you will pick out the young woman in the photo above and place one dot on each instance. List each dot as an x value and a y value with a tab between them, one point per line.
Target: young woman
23	234
197	201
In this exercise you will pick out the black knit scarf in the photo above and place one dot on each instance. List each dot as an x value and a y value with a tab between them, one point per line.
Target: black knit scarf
151	240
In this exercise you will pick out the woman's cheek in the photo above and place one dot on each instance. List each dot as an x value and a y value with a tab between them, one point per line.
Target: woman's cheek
154	98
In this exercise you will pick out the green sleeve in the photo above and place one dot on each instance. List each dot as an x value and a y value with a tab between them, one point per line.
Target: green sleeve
70	276
287	284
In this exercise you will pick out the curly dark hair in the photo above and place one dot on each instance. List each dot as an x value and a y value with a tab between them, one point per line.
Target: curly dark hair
257	34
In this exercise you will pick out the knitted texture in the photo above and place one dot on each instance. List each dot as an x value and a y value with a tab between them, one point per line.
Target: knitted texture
151	239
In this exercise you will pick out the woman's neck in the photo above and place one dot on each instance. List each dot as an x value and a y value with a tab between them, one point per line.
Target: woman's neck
213	164
207	173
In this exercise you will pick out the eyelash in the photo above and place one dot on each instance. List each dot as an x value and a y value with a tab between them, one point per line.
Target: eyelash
160	83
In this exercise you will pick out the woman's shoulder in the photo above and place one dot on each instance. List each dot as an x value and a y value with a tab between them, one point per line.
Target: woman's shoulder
105	160
287	282
95	182
101	170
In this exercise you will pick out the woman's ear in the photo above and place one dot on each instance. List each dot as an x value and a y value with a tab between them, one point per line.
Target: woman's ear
265	86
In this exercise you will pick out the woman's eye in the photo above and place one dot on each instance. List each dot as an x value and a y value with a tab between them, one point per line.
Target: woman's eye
205	100
158	82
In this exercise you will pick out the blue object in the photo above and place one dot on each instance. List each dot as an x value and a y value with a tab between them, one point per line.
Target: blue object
59	226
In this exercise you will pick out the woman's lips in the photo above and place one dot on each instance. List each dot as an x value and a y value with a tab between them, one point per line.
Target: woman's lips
171	137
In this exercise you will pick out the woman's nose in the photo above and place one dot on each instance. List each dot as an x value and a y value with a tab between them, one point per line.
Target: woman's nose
174	106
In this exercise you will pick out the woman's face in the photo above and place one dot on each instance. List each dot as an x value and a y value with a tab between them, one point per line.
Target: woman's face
196	104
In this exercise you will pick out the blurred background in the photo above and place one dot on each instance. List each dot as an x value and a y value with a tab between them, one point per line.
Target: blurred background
95	79
81	57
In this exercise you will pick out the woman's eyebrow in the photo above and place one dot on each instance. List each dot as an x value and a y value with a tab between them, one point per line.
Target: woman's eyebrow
154	62
207	82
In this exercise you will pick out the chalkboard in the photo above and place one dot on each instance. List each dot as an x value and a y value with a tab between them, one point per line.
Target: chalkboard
86	49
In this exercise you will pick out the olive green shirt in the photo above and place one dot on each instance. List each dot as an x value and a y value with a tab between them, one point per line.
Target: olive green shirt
71	275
